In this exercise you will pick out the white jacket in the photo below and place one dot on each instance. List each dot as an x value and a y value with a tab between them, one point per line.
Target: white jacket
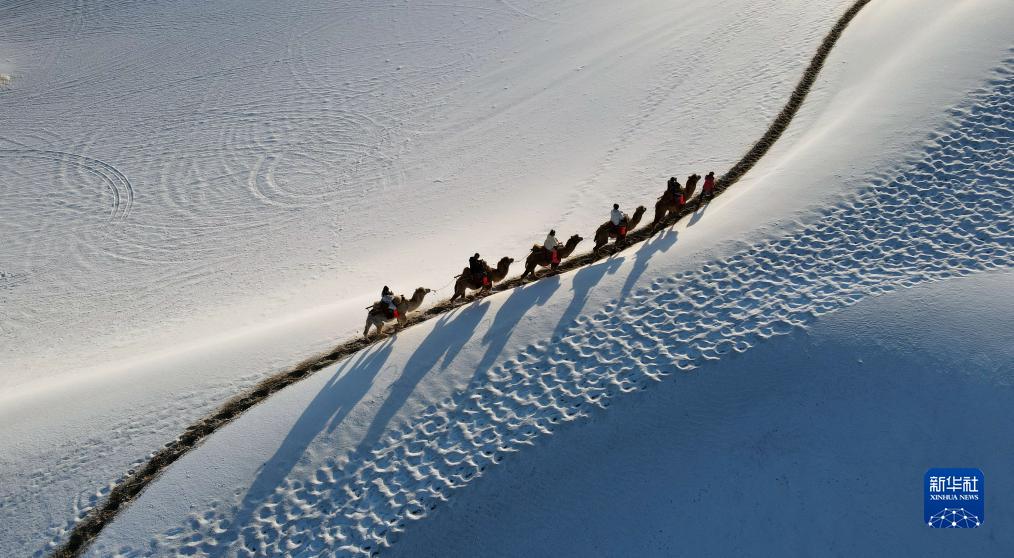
389	301
616	217
550	243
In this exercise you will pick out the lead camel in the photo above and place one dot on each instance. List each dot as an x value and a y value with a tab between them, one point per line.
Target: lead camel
379	313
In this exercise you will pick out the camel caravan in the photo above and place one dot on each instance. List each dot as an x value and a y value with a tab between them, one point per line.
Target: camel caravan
479	276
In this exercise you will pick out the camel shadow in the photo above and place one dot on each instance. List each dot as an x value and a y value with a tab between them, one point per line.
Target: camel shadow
328	408
521	300
583	282
448	335
658	243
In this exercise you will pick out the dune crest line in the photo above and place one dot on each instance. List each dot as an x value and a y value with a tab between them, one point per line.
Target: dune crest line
122	494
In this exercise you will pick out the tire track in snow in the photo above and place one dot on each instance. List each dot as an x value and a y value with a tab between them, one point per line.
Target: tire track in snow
89	526
946	215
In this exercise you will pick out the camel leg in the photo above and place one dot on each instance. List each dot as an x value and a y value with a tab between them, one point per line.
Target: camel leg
659	215
366	332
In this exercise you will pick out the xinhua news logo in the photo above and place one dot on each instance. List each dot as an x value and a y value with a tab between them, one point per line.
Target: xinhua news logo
955	498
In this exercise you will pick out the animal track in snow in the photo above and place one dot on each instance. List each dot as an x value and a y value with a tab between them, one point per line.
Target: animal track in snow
948	214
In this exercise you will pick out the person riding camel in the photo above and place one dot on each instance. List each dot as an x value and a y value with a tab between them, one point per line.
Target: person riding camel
479	269
709	186
387	297
619	221
551	244
673	188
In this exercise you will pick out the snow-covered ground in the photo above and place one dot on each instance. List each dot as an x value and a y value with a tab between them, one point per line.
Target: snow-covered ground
347	460
198	195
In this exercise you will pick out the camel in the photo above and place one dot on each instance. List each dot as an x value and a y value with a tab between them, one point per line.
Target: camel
540	257
378	315
667	204
606	230
466	281
688	190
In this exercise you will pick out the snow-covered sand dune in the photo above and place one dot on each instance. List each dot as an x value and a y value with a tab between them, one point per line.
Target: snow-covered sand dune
200	210
198	194
347	459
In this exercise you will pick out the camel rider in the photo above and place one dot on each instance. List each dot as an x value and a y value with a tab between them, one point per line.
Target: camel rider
673	188
551	244
618	220
478	268
709	186
387	297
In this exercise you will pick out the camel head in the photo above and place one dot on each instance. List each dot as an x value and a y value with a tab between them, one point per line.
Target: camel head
421	292
574	240
416	300
504	262
633	221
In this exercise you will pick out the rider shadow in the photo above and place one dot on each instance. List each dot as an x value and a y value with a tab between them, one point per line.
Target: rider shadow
449	334
698	213
329	407
658	243
583	282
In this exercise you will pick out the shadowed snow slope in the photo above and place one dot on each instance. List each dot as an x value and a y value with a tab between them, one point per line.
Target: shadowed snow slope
814	444
345	461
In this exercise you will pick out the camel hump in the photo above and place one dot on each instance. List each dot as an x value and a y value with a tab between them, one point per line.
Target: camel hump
536	247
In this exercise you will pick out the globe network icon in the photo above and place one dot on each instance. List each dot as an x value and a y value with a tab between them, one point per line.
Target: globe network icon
954	518
955	498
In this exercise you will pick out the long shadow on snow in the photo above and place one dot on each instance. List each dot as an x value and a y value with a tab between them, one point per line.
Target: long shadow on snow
517	305
448	335
698	213
658	243
582	283
522	300
326	411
